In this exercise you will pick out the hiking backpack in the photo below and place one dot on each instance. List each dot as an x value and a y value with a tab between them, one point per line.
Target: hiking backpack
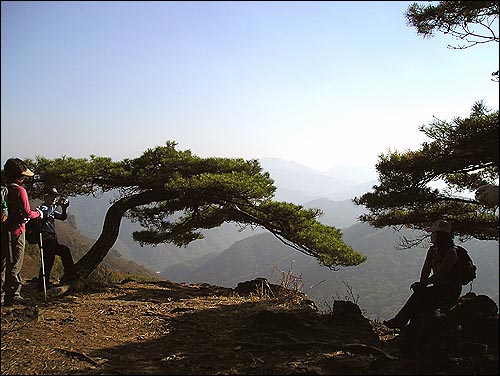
32	233
5	207
467	267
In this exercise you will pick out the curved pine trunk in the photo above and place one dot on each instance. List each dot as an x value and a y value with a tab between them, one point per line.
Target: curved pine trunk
110	230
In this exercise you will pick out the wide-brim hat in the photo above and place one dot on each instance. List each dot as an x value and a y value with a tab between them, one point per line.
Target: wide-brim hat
439	225
27	172
15	168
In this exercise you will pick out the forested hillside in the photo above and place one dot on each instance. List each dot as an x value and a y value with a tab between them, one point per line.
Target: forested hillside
380	285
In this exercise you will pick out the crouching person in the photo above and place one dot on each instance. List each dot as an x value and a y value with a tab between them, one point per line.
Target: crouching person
51	246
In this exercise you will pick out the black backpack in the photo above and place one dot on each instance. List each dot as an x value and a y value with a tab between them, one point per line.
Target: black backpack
467	267
33	227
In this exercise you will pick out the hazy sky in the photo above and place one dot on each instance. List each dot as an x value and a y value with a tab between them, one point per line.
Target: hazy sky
319	83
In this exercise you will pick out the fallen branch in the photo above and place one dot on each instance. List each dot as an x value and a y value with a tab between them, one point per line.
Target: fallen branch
78	355
354	348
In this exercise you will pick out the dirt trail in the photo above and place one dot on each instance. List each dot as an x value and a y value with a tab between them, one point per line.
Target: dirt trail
169	328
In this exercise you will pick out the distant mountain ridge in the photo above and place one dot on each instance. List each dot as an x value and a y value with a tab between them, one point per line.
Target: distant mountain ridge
299	184
339	214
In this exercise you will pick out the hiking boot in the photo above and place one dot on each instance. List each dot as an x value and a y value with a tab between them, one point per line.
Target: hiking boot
17	299
68	277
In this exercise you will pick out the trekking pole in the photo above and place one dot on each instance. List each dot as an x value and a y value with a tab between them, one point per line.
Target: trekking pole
40	244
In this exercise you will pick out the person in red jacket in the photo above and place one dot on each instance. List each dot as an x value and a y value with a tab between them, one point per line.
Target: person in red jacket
13	230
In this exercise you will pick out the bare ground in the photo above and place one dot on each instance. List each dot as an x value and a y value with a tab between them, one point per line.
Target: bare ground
168	328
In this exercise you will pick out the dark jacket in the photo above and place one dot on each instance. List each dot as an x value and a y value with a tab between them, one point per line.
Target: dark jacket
49	215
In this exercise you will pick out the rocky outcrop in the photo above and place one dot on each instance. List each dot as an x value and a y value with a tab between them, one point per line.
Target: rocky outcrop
468	330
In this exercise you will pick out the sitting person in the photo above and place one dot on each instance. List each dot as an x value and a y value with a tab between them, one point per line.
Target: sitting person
439	290
51	246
